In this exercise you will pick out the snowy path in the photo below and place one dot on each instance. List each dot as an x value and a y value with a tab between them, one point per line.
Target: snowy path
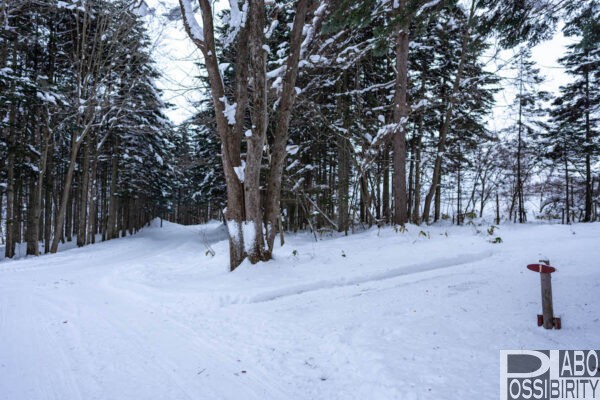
376	315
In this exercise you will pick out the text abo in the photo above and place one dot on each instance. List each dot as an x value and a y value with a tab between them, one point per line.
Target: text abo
549	374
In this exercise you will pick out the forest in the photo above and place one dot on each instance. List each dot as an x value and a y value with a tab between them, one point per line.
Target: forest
320	116
299	199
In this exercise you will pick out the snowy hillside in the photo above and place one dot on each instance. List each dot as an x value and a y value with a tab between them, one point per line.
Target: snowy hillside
421	314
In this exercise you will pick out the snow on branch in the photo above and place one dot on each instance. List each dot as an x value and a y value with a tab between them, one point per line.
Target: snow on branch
386	130
240	171
237	20
310	31
427	5
229	110
190	22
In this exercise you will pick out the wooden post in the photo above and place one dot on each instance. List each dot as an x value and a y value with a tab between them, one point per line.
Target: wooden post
547	307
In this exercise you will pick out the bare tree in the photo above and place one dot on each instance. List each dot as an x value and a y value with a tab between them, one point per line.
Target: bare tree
245	214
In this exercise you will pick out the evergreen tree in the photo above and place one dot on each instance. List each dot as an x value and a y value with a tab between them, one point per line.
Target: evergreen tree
577	108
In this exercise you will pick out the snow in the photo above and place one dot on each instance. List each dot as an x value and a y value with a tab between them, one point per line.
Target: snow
272	27
195	29
223	67
381	314
46	97
229	110
427	5
249	234
233	230
240	171
235	20
292	149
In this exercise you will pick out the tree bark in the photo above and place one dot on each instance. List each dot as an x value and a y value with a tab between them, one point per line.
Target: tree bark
111	221
588	151
567	206
343	153
230	134
417	189
31	235
83	197
60	217
385	201
48	211
438	199
401	111
9	250
252	229
286	102
91	228
243	198
519	194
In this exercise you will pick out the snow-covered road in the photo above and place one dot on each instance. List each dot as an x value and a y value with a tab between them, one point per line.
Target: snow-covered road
378	315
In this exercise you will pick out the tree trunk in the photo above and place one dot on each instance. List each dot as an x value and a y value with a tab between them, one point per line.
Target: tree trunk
411	173
48	211
9	250
344	156
497	209
69	217
60	217
83	197
18	209
229	131
567	206
1	207
31	234
386	184
91	230
124	203
111	224
519	192
588	152
38	189
104	203
482	200
287	97
252	229
438	199
459	211
343	184
417	178
401	111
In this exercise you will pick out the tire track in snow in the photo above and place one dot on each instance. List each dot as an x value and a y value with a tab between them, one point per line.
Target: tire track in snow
39	368
410	269
3	305
96	334
61	376
219	360
158	346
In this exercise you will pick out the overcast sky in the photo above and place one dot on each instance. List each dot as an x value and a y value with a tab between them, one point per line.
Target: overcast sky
546	56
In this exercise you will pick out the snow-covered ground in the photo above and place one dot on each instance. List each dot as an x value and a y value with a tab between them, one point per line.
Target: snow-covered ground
375	315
